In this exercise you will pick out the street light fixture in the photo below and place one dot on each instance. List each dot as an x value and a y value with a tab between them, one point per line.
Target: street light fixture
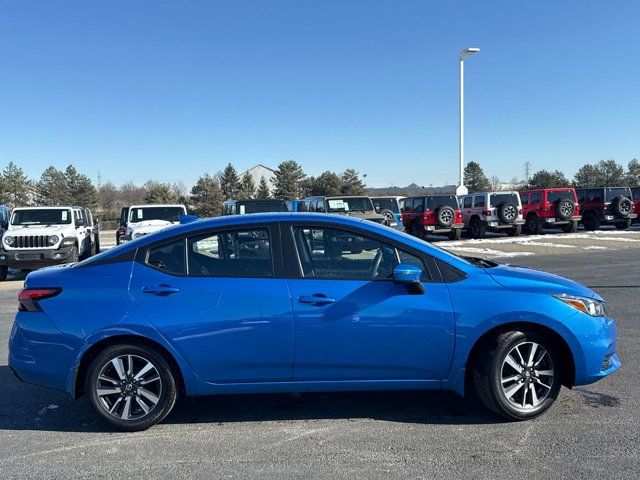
462	190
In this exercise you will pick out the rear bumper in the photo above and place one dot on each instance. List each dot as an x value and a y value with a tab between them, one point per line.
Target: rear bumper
438	229
497	225
34	258
555	221
612	219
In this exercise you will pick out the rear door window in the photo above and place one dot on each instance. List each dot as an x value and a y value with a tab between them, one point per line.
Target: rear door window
418	205
525	198
479	202
536	198
168	258
467	202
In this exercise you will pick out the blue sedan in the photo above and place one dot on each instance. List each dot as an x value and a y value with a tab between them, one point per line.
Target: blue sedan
302	302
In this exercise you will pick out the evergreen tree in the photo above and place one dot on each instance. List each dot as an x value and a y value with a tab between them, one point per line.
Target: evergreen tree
229	182
327	184
14	187
158	192
587	176
80	189
606	173
351	183
633	173
247	188
289	176
263	189
475	179
207	196
52	188
547	179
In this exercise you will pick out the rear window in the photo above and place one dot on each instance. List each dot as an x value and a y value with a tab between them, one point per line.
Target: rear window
498	198
611	193
434	202
169	214
555	195
387	204
261	207
350	204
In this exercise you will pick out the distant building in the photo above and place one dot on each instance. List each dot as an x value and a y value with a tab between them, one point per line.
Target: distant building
260	171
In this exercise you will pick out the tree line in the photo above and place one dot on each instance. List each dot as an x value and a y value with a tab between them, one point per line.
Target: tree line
205	198
605	173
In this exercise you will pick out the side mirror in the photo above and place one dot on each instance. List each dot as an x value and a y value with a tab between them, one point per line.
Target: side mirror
409	275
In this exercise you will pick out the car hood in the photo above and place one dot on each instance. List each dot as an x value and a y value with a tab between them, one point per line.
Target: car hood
528	279
149	226
38	229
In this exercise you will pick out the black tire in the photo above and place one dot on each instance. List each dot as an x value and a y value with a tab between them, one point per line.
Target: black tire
564	208
73	258
477	228
97	251
167	394
623	225
622	206
571	227
533	226
455	234
489	367
591	222
445	216
515	231
4	271
507	212
417	230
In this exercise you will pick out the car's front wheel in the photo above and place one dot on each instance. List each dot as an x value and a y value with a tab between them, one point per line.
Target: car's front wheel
518	376
131	386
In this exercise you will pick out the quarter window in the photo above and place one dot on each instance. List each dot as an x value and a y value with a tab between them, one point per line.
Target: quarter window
467	202
168	258
479	201
238	253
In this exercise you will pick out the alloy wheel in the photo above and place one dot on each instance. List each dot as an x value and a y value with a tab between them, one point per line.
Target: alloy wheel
447	216
129	387
527	376
510	212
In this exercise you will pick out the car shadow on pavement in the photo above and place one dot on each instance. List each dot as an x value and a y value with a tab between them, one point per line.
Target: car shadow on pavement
29	407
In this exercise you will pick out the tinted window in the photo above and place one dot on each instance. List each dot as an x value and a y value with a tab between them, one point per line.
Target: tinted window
406	257
611	193
498	198
408	205
261	207
594	195
434	201
467	202
169	214
320	206
524	197
636	193
334	254
418	205
536	198
387	204
239	253
479	201
555	195
581	195
168	258
47	216
350	204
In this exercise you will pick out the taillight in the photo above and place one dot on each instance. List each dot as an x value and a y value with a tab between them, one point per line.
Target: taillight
28	298
121	230
488	213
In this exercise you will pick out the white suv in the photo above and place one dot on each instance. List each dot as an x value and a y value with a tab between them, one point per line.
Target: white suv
145	219
493	211
40	236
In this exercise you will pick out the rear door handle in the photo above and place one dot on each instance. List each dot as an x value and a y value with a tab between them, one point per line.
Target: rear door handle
316	299
160	289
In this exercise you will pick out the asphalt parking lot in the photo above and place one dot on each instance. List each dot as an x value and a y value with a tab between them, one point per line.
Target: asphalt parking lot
591	432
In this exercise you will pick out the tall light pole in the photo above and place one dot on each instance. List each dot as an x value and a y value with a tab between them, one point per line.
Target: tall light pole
462	190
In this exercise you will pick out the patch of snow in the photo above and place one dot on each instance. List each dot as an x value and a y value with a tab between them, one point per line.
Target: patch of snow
488	251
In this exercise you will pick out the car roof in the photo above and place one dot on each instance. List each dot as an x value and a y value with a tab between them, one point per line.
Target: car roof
159	205
59	207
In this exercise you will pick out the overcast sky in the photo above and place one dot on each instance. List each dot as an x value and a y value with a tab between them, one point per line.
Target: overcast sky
169	90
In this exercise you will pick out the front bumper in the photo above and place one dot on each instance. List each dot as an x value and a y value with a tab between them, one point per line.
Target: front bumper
34	258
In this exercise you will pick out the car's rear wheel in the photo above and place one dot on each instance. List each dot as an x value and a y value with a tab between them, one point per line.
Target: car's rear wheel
570	227
515	231
623	225
4	271
518	376
131	386
591	222
534	225
455	234
477	228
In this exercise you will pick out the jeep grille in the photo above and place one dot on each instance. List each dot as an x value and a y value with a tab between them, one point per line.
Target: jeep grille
31	241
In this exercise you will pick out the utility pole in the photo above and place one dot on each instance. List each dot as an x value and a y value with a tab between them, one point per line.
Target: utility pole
462	190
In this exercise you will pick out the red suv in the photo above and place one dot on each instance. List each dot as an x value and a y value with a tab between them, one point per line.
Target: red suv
606	206
432	214
635	196
550	208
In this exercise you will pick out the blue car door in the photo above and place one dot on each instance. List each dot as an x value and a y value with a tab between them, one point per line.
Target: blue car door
352	322
221	299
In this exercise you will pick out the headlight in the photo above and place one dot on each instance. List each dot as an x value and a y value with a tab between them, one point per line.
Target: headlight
137	235
53	239
592	307
9	240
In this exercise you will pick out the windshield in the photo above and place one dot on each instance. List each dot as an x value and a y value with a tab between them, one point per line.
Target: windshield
434	202
169	214
49	216
387	204
611	193
350	204
498	198
555	195
259	207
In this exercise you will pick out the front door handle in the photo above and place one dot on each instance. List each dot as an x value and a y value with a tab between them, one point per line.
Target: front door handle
316	299
160	289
